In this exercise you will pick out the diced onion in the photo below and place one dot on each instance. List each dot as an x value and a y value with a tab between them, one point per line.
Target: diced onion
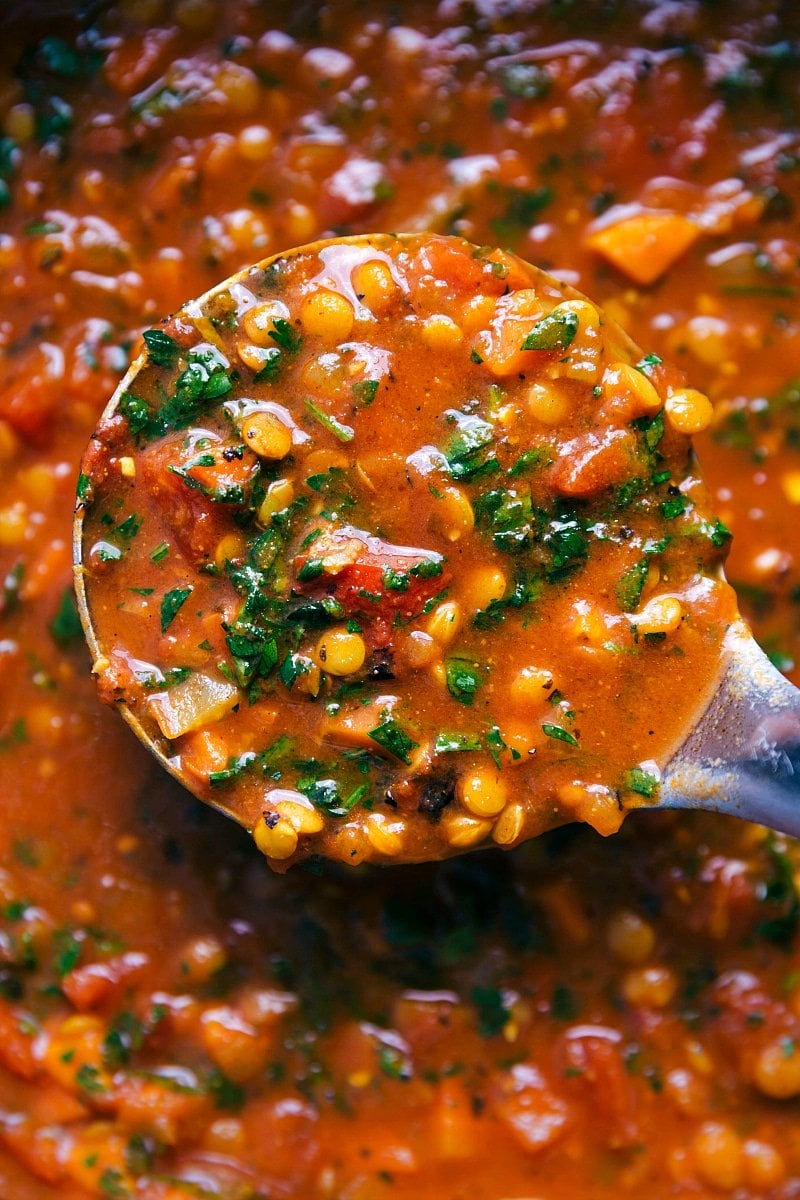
192	704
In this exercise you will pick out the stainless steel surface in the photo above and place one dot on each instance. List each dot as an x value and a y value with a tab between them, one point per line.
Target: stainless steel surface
743	755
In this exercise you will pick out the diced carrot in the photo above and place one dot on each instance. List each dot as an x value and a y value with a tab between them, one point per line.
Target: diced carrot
500	346
134	58
597	1065
94	984
96	1155
456	1132
203	752
38	1150
50	1104
16	1045
237	1047
166	1110
642	243
351	726
73	1056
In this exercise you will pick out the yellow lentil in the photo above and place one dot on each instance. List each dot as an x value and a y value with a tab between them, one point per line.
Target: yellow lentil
374	284
483	791
777	1069
548	403
630	938
440	332
509	825
259	321
275	838
662	614
717	1155
267	435
649	987
384	835
531	687
689	411
339	652
445	622
327	315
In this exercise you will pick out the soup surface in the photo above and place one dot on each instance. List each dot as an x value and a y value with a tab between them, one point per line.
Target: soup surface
334	519
586	1017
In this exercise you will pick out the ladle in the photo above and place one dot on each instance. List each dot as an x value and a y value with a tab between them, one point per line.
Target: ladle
741	757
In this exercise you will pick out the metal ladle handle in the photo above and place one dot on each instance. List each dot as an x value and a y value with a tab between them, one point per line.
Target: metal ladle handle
743	756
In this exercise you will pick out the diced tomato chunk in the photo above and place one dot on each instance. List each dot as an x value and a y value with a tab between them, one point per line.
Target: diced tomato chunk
370	579
195	494
592	461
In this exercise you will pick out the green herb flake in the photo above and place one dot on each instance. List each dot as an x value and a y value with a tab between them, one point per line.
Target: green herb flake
391	736
522	207
529	461
556	331
463	679
630	586
160	552
344	433
718	533
493	1015
642	782
559	734
394	1063
66	624
162	350
564	1003
285	335
468	451
674	506
227	1095
171	604
310	570
651	429
365	392
648	363
271	359
88	1079
453	743
16	736
25	851
112	1184
136	412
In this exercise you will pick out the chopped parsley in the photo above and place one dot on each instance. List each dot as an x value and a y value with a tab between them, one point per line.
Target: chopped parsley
468	450
463	679
631	585
451	743
644	783
171	604
556	331
344	433
285	335
162	349
365	392
391	736
66	624
559	734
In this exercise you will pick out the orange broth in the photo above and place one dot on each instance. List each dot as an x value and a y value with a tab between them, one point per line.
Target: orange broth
582	1017
392	546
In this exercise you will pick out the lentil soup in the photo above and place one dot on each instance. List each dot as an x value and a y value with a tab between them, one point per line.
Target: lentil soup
334	519
581	1017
